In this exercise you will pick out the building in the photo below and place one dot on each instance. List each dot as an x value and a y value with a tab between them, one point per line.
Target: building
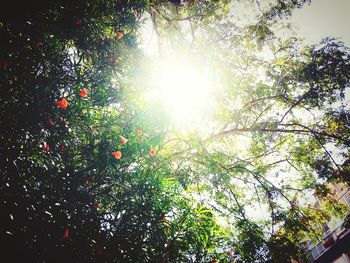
335	244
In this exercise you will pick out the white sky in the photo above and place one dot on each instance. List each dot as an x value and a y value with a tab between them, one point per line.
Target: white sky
324	18
319	19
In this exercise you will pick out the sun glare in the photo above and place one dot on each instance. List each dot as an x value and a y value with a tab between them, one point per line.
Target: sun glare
185	90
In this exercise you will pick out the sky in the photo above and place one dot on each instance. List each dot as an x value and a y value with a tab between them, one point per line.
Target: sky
314	21
323	18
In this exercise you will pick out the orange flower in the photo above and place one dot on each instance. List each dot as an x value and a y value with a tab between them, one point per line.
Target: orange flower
50	122
46	147
83	92
117	155
164	219
139	132
120	35
122	140
66	234
152	152
63	104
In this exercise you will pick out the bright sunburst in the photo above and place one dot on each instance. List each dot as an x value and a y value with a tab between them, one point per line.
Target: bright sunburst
185	88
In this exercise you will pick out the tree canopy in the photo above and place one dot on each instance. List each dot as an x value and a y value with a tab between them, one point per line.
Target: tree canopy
95	169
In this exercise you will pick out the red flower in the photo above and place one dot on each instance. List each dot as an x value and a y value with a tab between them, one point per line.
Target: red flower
164	219
99	250
83	92
66	234
50	123
96	205
152	152
120	35
43	111
61	147
215	261
46	147
328	242
117	155
122	140
139	132
86	182
37	44
63	104
77	21
3	64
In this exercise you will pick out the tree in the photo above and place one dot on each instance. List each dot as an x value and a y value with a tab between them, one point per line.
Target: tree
81	180
287	102
89	174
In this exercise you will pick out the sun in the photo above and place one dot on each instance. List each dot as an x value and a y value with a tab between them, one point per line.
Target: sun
185	89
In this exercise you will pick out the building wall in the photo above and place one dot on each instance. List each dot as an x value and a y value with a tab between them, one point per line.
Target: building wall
342	259
337	252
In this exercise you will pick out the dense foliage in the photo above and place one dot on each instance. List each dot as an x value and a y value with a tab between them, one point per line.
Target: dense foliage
92	173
